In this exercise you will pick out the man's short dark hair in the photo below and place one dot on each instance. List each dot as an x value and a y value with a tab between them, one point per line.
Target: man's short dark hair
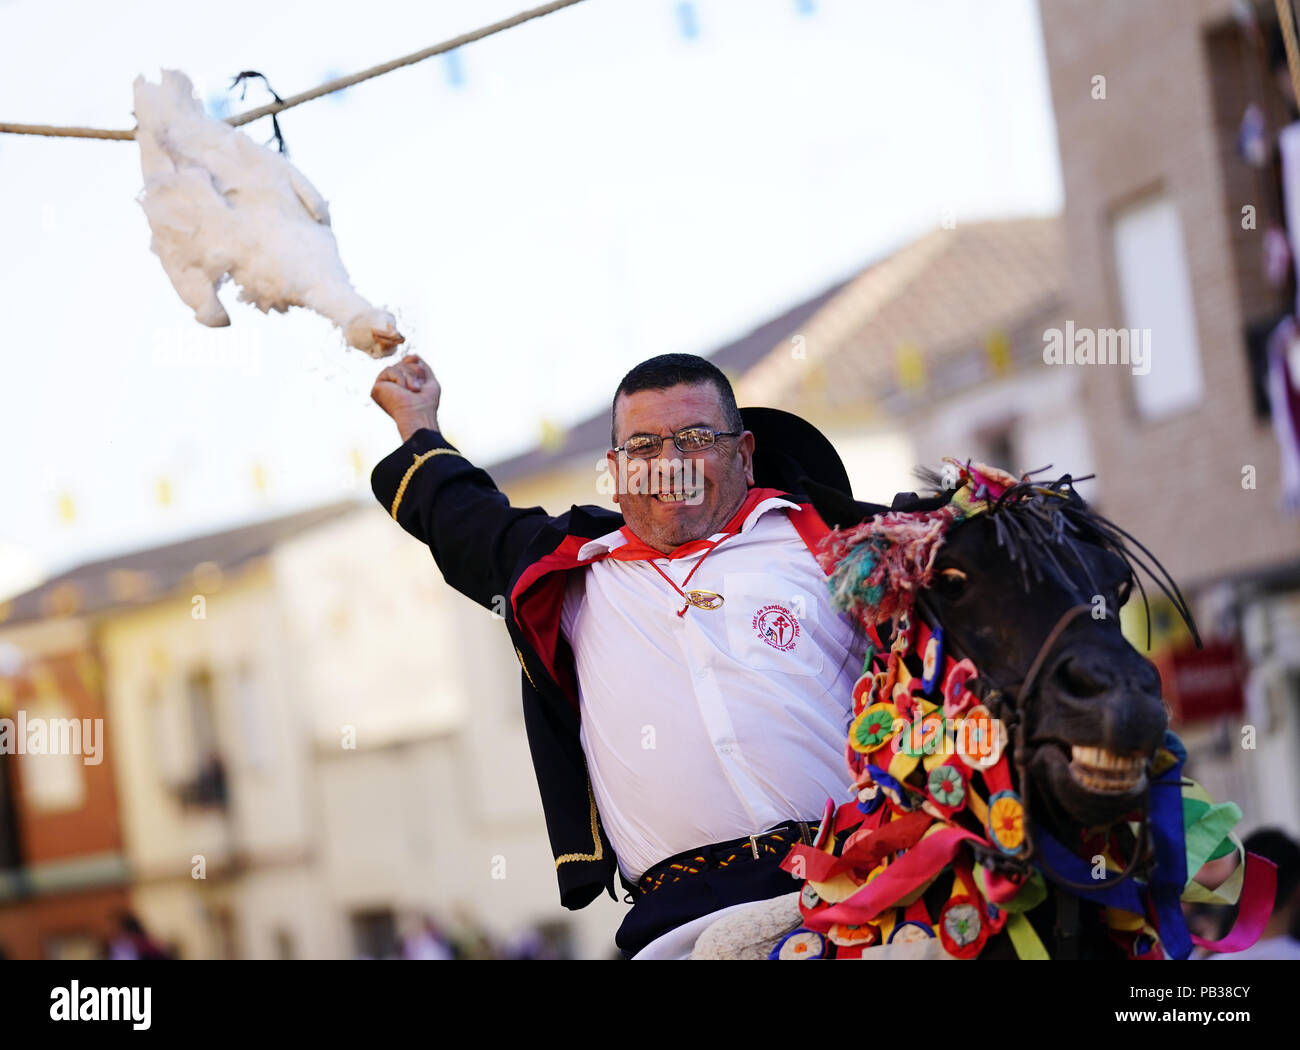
659	373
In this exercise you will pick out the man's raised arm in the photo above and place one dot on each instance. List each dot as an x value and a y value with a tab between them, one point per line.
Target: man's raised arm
441	498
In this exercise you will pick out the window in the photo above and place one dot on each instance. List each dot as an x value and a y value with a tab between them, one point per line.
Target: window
207	785
1249	86
203	720
1156	297
54	781
169	740
9	853
255	745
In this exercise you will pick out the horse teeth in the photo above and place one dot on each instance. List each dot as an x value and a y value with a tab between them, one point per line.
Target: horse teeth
1099	758
1104	771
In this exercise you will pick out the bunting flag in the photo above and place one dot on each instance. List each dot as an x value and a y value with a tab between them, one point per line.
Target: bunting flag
909	365
997	347
128	585
44	681
814	382
206	577
89	673
65	599
552	435
687	22
455	69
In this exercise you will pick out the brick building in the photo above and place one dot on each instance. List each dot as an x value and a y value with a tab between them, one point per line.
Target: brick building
63	870
1150	99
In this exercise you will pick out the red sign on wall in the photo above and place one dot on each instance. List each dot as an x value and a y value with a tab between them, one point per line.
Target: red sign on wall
1203	683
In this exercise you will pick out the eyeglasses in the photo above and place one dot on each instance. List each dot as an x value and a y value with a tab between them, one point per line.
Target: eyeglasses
688	439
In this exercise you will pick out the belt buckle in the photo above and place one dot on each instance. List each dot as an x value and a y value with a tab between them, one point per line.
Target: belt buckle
753	844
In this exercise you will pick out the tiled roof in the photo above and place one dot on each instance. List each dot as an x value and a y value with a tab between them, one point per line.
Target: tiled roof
956	305
960	304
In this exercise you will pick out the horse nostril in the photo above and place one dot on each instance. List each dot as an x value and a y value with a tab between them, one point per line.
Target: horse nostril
1078	679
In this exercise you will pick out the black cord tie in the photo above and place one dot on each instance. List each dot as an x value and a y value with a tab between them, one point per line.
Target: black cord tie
241	81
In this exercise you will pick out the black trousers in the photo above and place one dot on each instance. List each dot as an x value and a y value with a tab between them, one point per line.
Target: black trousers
690	897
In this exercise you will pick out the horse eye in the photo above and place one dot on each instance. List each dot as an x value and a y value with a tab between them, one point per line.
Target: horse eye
950	583
1125	591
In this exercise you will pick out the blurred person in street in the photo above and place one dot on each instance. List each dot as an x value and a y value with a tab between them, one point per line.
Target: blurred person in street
427	943
1281	937
132	941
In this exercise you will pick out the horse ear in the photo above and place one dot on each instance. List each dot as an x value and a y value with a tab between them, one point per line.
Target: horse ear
910	502
838	510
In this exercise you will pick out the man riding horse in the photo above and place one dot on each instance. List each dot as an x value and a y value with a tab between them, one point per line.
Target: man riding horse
686	681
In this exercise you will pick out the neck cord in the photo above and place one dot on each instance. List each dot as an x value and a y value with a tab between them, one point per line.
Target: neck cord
699	603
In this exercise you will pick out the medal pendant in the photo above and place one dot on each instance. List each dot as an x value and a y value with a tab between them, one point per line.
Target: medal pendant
704	599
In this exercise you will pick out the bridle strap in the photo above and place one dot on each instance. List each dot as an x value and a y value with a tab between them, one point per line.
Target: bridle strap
1139	848
1018	699
1101	885
1053	636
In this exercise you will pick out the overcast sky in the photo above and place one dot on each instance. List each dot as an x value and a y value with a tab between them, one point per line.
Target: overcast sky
625	178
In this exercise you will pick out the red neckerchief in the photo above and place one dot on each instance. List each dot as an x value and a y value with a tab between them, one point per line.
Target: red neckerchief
636	549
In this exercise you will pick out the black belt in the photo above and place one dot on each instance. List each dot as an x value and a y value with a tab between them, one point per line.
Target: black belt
776	840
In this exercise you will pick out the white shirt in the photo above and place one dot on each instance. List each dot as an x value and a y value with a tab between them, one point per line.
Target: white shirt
720	723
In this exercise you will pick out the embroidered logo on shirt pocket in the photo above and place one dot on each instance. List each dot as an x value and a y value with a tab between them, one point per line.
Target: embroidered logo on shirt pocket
770	626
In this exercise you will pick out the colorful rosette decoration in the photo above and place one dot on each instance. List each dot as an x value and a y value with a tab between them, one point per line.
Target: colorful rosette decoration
956	697
961	927
909	931
932	662
871	729
945	785
981	738
1006	824
801	944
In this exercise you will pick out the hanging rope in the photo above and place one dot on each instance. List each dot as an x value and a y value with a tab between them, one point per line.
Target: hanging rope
327	88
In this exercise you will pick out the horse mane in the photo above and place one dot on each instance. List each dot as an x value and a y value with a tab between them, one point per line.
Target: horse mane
1036	519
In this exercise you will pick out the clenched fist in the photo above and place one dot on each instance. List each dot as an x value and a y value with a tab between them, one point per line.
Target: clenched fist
409	393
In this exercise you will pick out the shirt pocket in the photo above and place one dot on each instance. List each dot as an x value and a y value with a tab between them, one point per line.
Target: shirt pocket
771	625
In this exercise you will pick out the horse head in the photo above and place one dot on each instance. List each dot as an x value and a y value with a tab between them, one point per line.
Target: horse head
1009	590
1025	581
1030	592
